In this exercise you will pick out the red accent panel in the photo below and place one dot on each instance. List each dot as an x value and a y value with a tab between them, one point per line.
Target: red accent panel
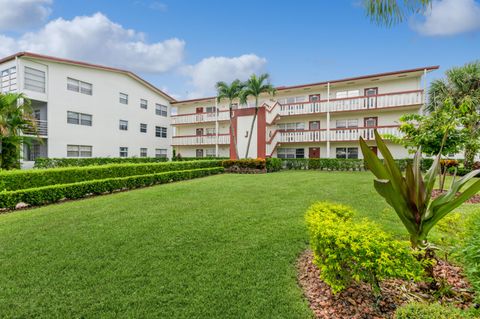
261	133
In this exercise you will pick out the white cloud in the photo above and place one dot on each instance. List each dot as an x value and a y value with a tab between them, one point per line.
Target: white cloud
97	39
449	17
19	15
205	74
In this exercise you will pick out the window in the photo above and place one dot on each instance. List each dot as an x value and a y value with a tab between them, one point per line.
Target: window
123	98
8	80
79	151
344	94
161	153
123	125
161	110
160	131
143	152
79	86
291	126
34	80
210	131
291	153
210	152
210	109
346	123
79	118
143	128
123	151
347	152
143	104
199	152
293	99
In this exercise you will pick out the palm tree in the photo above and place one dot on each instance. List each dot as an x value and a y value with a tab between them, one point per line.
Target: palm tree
230	92
461	88
390	12
15	118
254	87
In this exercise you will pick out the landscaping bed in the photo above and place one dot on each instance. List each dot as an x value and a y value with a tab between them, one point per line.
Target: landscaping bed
357	300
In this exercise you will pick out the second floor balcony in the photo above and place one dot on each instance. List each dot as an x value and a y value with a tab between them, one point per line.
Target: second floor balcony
200	117
221	139
41	129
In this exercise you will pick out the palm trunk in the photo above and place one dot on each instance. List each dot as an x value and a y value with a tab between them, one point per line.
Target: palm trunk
251	127
232	132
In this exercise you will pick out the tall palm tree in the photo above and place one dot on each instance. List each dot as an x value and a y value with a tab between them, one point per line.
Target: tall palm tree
390	12
254	87
230	92
461	88
15	118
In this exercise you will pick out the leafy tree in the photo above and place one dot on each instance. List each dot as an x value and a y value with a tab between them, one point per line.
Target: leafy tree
15	119
230	92
390	12
461	89
254	87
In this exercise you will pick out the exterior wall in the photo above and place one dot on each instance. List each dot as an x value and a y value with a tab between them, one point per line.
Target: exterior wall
104	135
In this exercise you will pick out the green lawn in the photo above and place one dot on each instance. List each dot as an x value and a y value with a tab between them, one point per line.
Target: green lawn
217	247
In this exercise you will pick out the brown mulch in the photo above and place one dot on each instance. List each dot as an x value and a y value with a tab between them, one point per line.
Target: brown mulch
475	199
357	301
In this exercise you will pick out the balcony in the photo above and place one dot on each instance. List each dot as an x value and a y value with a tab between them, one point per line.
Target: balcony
336	134
223	139
199	117
42	129
360	103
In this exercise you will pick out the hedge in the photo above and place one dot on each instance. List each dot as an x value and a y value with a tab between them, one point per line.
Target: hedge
14	180
69	162
418	310
273	164
54	193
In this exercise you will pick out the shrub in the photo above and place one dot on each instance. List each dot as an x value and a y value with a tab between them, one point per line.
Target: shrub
470	252
14	180
273	164
346	251
429	311
54	193
245	165
69	162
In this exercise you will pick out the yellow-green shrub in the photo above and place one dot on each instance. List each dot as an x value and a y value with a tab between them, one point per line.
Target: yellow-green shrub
346	251
432	311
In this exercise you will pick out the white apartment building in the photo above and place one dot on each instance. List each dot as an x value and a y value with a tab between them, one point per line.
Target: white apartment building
318	120
87	110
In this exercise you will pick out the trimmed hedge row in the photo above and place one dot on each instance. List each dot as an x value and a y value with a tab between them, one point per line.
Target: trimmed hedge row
69	162
15	180
273	164
54	193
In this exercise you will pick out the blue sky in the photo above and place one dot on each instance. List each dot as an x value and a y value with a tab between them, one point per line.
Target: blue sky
185	46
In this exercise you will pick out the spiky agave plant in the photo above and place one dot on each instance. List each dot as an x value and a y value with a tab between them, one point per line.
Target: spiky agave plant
410	195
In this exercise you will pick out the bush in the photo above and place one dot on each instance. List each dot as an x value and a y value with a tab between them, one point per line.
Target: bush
54	193
273	164
14	180
258	165
470	252
69	162
346	251
431	311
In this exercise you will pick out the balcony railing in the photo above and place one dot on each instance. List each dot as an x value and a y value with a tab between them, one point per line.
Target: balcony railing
336	134
223	139
41	126
380	101
199	117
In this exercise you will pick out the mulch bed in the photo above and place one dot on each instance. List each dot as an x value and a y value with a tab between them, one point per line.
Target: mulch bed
475	199
357	301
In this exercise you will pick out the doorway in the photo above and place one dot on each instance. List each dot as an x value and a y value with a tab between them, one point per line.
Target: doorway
314	152
371	97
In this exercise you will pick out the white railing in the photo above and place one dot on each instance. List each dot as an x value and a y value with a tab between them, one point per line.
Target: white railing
200	117
356	103
353	134
41	129
201	140
303	136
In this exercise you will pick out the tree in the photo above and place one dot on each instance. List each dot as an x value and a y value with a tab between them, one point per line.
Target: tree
254	87
15	119
390	12
461	88
230	92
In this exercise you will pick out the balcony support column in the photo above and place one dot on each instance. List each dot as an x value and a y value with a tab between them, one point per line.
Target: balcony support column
328	120
216	128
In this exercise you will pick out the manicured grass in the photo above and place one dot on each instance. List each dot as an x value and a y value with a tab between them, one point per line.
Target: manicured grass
217	247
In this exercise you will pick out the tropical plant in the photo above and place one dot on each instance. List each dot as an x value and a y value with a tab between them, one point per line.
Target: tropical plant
461	89
230	92
254	87
390	12
15	119
410	195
